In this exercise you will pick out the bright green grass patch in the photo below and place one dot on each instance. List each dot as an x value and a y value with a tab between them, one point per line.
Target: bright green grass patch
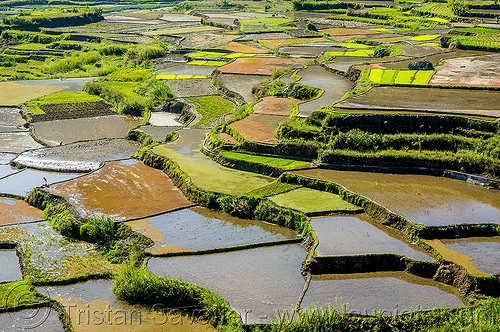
212	109
30	46
405	76
273	189
19	293
425	37
207	63
422	77
239	55
260	159
130	74
358	53
177	77
206	55
436	44
297	164
280	162
59	98
354	45
265	24
376	75
438	19
235	155
388	76
271	161
310	200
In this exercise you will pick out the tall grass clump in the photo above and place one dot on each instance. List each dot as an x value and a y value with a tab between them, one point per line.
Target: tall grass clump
138	285
72	63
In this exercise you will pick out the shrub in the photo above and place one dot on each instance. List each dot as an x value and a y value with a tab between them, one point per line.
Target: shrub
98	230
382	51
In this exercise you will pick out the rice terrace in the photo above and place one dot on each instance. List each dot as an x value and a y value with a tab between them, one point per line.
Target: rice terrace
259	166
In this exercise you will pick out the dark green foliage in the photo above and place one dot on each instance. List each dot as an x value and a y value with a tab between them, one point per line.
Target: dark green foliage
141	286
382	51
17	36
112	49
132	107
325	5
303	92
458	7
311	26
80	16
155	90
61	219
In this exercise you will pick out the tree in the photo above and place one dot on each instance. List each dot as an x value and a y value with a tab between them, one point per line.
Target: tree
458	7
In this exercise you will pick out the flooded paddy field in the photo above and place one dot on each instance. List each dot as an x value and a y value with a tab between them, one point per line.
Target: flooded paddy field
44	319
17	142
200	228
418	50
432	201
9	116
93	305
203	171
5	158
402	63
190	88
334	87
157	133
260	66
275	106
54	256
14	211
313	201
21	183
469	71
164	119
10	266
475	102
259	127
389	293
78	157
72	130
478	255
122	190
259	284
242	84
359	235
309	49
208	39
7	170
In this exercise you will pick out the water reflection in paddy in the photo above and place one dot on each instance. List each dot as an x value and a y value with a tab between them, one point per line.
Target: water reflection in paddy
22	182
423	199
357	235
199	228
9	262
386	292
93	305
260	282
42	319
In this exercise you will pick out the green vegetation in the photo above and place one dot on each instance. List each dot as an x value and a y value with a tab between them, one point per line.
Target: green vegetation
458	7
310	201
20	294
138	285
273	189
212	109
392	76
271	24
283	163
59	98
482	317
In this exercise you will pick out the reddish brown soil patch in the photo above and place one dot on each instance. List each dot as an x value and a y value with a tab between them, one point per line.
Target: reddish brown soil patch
275	106
227	138
244	48
259	127
122	189
347	31
259	66
13	211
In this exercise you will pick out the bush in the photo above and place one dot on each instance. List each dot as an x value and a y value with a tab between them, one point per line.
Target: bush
134	108
382	51
112	49
98	230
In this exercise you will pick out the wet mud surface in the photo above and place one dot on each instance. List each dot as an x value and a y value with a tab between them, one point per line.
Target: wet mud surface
275	106
164	119
260	66
22	182
190	88
200	228
83	156
334	87
53	255
9	116
478	255
204	172
175	68
122	190
389	293
242	84
258	284
5	158
9	262
157	133
14	211
17	142
358	235
429	200
469	71
72	130
450	100
93	305
259	127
